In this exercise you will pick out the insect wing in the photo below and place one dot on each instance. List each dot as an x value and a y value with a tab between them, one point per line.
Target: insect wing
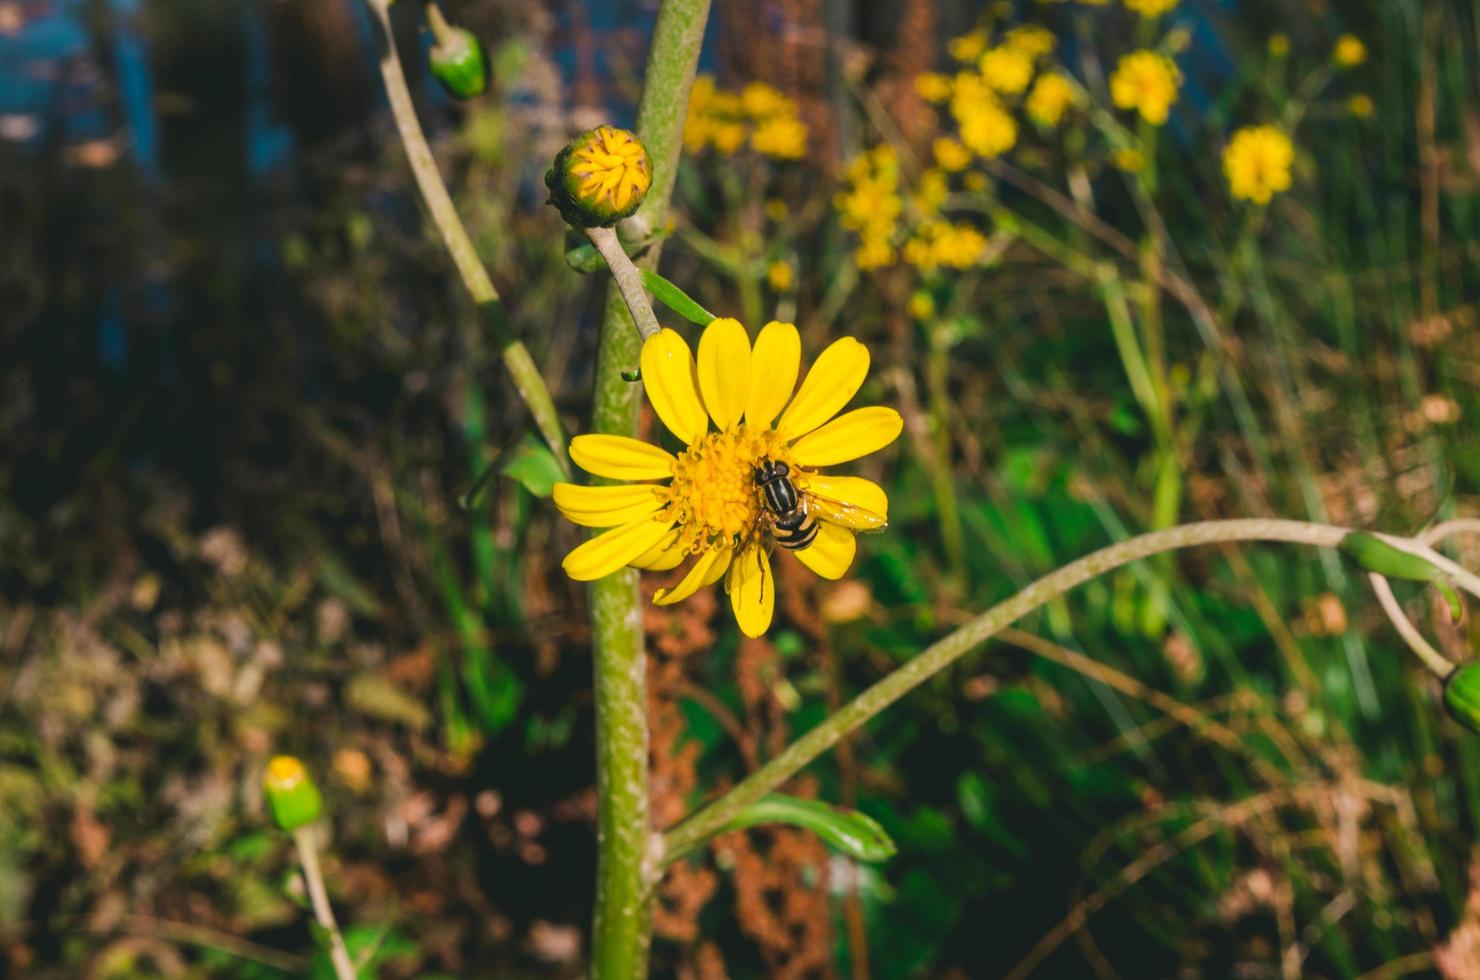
844	514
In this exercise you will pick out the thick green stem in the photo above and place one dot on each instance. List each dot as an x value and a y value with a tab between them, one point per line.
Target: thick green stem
521	367
704	824
627	848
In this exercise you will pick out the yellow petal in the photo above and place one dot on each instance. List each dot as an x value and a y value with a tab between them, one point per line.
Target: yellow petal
724	370
610	550
858	433
701	574
752	590
831	552
606	506
851	501
834	378
621	458
774	364
662	556
668	373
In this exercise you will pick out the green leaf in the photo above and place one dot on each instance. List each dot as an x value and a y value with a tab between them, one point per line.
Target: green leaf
1376	555
534	466
675	299
584	259
845	831
373	695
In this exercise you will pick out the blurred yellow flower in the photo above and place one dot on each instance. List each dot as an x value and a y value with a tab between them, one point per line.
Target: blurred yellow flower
1350	51
976	182
933	86
1032	40
727	137
1006	69
776	209
1128	160
1150	8
1361	106
1257	162
987	129
780	276
870	204
1279	45
782	137
1051	95
759	114
703	505
968	47
921	305
950	154
874	253
1147	82
759	100
937	243
931	192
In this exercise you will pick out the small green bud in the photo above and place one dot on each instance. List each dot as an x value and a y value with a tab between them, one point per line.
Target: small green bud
291	793
458	63
600	177
1376	555
1462	696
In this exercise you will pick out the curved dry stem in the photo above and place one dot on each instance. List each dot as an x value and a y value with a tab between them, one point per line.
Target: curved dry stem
318	896
521	367
1435	661
627	278
708	821
1448	529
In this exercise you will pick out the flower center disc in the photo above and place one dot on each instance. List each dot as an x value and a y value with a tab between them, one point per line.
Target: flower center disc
713	496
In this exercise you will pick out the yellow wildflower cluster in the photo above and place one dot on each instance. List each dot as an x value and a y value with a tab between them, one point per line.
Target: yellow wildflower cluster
1257	163
1146	81
871	204
937	242
757	114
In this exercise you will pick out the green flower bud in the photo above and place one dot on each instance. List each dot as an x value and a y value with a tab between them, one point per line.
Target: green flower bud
291	793
458	63
1462	696
600	177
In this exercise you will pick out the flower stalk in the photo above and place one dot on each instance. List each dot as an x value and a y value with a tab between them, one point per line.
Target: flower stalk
521	367
318	896
712	819
626	863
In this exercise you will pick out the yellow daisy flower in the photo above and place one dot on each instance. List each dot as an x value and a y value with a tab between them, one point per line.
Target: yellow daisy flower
1007	69
1257	163
1051	95
782	137
704	505
1146	81
1350	51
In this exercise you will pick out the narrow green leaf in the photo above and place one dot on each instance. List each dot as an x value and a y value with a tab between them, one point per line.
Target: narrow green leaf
675	299
1376	555
845	831
534	466
584	259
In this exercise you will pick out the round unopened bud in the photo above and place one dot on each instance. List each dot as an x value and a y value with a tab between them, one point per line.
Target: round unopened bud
1462	696
291	794
458	63
600	177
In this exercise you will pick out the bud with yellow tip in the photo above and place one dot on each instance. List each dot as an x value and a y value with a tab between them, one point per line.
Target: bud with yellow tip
291	794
